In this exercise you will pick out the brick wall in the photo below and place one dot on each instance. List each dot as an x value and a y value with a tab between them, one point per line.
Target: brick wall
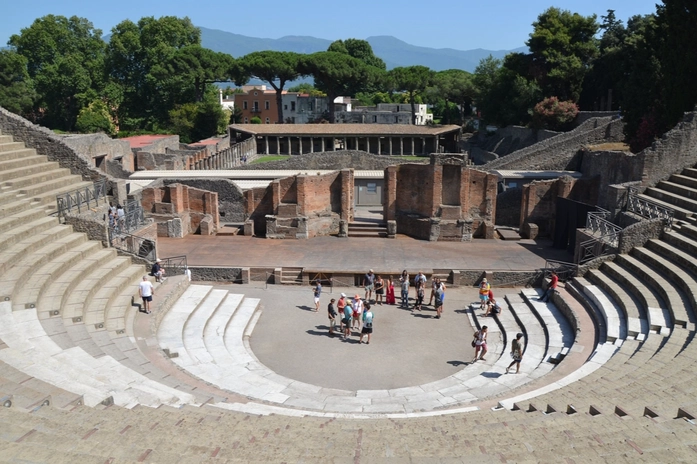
178	201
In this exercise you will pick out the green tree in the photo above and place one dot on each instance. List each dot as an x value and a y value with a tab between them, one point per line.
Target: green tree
553	114
412	80
16	91
562	46
276	68
503	97
335	74
95	117
456	86
360	49
198	67
65	59
306	87
138	59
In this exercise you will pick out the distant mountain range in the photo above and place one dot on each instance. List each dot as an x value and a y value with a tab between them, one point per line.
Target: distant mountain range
393	51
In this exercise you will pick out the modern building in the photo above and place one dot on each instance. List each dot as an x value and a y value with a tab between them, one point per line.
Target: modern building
385	113
257	101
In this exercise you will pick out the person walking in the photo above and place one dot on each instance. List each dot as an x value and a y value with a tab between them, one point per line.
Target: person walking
419	280
357	311
317	290
369	285
439	298
484	288
389	297
419	298
404	281
146	291
346	321
480	343
331	313
367	324
552	286
516	353
340	305
379	290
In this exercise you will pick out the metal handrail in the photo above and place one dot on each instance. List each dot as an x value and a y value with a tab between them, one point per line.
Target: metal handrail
564	270
133	244
65	202
649	209
608	246
174	265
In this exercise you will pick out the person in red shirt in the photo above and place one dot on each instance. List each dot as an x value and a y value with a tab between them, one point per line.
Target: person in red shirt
552	286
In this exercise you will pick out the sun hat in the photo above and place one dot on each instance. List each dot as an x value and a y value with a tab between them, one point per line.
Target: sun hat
343	295
356	297
484	280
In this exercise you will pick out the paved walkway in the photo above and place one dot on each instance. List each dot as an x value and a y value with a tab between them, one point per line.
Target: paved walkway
359	254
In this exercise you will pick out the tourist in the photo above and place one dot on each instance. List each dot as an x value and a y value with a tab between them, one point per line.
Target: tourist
317	291
493	306
484	288
516	353
419	279
357	311
552	286
404	281
187	273
146	291
379	289
439	298
479	343
367	324
348	313
369	285
389	297
158	271
331	313
419	298
120	218
434	282
340	305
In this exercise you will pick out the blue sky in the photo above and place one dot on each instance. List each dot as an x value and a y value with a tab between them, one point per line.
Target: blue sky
459	24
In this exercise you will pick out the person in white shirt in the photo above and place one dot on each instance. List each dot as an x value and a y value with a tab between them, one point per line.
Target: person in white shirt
146	292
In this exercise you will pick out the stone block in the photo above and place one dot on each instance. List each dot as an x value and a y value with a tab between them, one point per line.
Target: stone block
529	230
174	228
488	230
343	228
391	229
287	210
207	225
434	234
249	228
163	208
449	212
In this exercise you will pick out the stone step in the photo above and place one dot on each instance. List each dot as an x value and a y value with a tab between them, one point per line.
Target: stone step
35	178
678	189
561	335
33	190
10	146
194	327
20	163
615	321
16	153
637	323
687	230
169	332
660	286
680	204
11	174
24	230
658	318
96	311
21	218
6	138
30	292
12	254
535	334
682	179
676	276
45	199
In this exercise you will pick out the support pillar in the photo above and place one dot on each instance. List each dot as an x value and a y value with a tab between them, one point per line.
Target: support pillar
401	146
356	147
367	144
391	147
312	144
413	145
266	143
345	144
323	145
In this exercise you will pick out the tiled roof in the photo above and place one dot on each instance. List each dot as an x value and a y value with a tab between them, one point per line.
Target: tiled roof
139	141
340	130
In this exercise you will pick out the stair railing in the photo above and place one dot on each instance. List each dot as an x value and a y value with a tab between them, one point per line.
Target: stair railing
132	244
79	198
649	209
565	271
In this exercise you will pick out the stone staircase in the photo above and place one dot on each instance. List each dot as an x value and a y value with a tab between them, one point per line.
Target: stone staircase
367	229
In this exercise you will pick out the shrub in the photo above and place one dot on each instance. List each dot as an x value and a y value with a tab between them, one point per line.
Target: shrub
553	114
95	117
255	120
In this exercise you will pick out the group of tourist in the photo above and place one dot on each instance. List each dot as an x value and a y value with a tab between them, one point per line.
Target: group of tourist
117	217
354	314
437	292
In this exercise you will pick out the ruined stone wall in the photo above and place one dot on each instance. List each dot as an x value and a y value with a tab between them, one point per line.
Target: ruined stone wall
610	167
160	145
230	197
508	205
557	152
92	222
179	209
52	146
258	204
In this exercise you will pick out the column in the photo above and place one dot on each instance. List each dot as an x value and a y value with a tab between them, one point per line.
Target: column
333	144
413	144
345	144
266	144
379	145
312	144
391	147
290	145
437	141
323	145
300	148
367	144
356	147
423	145
401	146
